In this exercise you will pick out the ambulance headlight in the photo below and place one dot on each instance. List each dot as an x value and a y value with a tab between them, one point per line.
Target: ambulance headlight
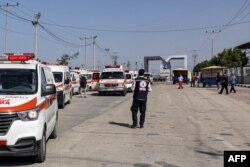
29	115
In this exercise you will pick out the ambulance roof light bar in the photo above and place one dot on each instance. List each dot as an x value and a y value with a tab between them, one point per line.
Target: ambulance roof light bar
114	66
17	57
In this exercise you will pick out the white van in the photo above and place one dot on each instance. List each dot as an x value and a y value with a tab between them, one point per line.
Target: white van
129	81
28	106
63	84
112	79
75	82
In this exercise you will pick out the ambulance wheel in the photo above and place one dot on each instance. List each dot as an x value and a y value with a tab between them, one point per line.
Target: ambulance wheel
124	93
41	156
69	99
63	103
54	133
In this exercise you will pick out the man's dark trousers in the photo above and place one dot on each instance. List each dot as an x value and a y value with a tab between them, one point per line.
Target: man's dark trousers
141	104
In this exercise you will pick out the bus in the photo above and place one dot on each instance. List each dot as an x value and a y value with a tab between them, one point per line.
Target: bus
181	71
208	75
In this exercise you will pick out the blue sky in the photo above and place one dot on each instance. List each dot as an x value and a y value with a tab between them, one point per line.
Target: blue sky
132	28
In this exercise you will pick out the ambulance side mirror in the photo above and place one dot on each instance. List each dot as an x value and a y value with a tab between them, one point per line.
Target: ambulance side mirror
49	90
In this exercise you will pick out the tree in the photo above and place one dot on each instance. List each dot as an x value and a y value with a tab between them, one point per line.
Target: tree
229	58
201	65
65	59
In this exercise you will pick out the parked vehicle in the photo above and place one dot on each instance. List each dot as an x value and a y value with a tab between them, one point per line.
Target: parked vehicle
129	81
63	83
28	106
208	75
181	71
112	79
75	82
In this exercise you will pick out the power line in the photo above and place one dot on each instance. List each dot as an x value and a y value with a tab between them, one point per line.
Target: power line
239	12
59	38
147	31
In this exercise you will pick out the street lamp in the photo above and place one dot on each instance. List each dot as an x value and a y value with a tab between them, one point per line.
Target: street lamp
94	38
213	34
107	52
85	50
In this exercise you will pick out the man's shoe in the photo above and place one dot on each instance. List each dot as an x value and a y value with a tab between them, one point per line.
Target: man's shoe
141	126
134	126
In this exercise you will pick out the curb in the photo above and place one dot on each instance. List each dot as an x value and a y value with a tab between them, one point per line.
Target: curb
243	85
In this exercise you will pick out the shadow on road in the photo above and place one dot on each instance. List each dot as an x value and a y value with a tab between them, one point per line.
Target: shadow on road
15	161
120	124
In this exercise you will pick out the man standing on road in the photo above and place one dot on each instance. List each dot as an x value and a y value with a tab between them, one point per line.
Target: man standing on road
180	79
224	84
233	81
83	86
141	87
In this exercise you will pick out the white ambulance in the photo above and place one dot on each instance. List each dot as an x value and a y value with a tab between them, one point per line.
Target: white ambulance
93	84
63	84
28	106
75	81
129	80
112	79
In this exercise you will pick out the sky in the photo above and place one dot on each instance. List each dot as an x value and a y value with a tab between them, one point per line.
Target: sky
130	29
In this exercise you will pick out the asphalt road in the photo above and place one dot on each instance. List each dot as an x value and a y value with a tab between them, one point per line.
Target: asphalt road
75	113
184	128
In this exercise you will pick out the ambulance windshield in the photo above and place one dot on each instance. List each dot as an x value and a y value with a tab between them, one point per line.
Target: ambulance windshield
112	75
18	81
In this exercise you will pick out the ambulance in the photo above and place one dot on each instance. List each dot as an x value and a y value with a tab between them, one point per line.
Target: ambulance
129	80
93	85
92	79
112	79
75	81
63	83
28	106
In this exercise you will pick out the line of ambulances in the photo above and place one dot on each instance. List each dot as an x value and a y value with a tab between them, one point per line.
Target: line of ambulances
30	94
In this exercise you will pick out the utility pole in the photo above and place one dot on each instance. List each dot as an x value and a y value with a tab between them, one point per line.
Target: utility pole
194	56
35	24
115	58
213	34
6	23
107	53
85	50
94	37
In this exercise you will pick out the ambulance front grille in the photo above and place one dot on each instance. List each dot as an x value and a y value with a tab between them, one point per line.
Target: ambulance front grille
5	122
111	85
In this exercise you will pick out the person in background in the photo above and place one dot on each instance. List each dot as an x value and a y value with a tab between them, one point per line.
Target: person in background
218	80
233	81
224	84
180	79
140	87
83	86
193	78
